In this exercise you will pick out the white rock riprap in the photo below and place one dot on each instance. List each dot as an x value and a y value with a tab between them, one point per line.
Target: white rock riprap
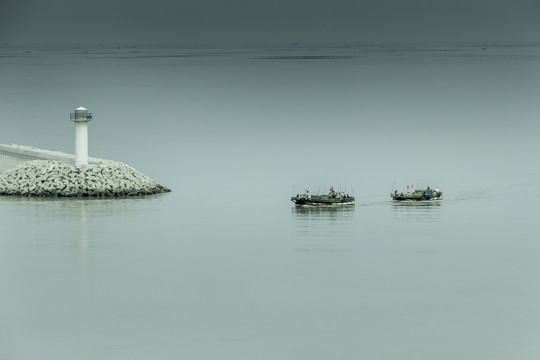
55	178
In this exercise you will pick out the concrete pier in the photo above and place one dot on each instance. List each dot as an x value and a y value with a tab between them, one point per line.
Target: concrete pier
12	155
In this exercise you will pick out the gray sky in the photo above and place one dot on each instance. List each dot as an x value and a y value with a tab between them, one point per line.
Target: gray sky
158	21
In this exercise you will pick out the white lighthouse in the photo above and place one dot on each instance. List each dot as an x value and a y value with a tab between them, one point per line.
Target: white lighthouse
81	117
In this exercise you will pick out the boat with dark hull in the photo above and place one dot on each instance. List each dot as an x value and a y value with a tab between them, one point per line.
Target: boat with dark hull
418	195
333	198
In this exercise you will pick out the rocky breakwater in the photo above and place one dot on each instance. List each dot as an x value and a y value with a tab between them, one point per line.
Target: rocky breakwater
56	178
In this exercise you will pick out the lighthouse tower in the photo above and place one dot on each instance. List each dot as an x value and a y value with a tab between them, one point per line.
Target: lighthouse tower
81	117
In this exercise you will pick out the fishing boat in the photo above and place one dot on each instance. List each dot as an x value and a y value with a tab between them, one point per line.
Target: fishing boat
418	195
333	198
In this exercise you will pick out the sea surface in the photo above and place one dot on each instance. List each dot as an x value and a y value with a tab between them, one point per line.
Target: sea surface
225	266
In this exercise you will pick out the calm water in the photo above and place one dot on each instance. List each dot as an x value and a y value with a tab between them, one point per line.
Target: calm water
224	267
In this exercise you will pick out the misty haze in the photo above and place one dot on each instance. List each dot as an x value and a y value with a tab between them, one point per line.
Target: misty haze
236	107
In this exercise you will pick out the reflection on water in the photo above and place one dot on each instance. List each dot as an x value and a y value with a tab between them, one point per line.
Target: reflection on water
64	207
417	210
408	204
329	213
83	233
323	229
51	214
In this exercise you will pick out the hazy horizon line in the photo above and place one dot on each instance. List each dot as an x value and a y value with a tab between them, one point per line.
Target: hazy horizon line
267	43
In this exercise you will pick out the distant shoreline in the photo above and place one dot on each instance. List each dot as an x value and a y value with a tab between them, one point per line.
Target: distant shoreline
264	44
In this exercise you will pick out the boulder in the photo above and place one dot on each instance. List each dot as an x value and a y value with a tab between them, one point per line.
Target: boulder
56	178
